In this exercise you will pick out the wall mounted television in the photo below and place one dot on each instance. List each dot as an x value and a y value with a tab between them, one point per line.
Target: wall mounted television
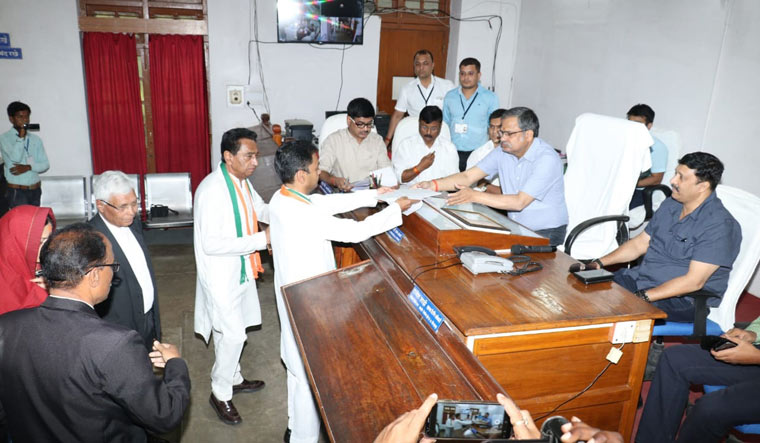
325	21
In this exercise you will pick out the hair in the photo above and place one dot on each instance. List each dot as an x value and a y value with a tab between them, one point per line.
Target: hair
527	120
642	110
423	52
231	140
15	107
430	114
469	61
70	253
293	157
111	183
499	113
360	107
706	167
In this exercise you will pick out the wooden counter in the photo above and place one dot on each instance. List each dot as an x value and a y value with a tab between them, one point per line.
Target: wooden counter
543	336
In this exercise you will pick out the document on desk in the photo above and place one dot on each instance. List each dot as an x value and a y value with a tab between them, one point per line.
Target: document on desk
406	191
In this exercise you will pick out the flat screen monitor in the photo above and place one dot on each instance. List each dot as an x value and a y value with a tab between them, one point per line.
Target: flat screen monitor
325	21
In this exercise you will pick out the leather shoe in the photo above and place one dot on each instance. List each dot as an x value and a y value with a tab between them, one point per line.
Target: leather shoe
286	437
226	411
247	386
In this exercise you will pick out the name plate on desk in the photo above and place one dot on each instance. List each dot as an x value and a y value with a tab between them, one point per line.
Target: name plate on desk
396	235
325	188
426	308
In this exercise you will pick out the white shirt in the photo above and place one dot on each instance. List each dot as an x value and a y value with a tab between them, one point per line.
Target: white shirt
478	155
217	256
136	258
412	97
412	149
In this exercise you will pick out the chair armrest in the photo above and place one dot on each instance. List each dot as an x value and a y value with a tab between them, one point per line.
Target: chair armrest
701	310
622	235
648	192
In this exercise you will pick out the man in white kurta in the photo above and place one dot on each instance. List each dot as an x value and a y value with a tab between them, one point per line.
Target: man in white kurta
226	240
426	156
303	227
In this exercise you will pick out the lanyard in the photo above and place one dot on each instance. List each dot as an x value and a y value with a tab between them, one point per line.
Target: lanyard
468	108
423	95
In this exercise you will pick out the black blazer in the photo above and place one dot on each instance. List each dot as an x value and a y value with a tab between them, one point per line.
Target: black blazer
67	375
124	305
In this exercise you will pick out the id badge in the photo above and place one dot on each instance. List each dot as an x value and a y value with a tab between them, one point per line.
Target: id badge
460	128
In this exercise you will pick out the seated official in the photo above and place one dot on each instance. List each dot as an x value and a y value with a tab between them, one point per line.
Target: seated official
714	414
350	155
494	140
69	376
426	156
690	243
644	114
530	171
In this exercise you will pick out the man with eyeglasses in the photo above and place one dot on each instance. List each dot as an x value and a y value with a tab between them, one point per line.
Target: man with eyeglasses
350	155
68	375
133	300
530	172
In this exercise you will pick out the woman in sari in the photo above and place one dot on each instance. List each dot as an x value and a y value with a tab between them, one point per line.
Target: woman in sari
23	230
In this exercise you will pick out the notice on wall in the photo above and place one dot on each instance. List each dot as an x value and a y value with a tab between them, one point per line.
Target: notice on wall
6	52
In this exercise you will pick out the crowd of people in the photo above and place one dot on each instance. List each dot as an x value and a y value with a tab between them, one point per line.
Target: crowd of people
80	304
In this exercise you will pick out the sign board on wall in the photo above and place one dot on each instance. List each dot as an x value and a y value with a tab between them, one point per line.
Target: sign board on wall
6	52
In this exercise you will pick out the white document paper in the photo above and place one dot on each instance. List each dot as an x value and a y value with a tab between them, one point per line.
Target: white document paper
406	191
385	176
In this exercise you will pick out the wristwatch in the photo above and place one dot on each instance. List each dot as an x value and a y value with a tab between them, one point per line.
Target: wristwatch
642	294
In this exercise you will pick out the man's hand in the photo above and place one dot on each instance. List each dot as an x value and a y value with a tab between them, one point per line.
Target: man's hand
19	169
269	241
744	353
576	430
407	428
522	423
465	194
405	203
162	352
342	184
736	334
426	161
385	189
424	185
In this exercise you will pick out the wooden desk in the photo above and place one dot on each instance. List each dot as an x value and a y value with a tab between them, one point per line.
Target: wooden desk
543	336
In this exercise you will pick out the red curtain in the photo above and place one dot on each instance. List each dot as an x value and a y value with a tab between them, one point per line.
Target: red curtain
113	103
180	106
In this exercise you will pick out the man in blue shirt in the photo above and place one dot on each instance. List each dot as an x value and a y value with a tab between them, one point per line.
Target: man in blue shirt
530	174
644	114
466	110
690	243
24	158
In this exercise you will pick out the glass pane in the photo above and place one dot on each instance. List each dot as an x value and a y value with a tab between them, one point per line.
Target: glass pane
384	3
412	4
430	5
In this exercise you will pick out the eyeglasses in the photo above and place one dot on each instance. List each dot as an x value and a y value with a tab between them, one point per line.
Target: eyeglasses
114	266
361	125
509	134
122	208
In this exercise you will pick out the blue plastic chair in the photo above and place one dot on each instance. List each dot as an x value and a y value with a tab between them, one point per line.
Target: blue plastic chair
744	429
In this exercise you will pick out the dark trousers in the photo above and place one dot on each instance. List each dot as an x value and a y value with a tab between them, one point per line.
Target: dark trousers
463	156
18	197
3	202
556	235
713	414
677	308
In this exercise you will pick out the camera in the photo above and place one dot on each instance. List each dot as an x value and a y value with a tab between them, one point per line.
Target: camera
31	126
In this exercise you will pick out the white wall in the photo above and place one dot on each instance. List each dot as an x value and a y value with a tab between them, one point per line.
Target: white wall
302	81
474	38
49	79
695	62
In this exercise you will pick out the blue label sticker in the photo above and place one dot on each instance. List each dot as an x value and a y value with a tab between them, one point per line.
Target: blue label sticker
426	308
5	39
10	53
326	189
396	235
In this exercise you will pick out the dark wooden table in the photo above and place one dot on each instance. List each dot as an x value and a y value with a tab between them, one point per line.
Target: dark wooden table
542	337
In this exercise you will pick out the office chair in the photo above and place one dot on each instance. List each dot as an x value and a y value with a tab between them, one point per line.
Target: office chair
744	429
334	123
67	197
605	156
170	189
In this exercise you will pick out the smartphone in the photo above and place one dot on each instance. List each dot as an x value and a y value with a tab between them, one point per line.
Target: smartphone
452	420
716	343
594	276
